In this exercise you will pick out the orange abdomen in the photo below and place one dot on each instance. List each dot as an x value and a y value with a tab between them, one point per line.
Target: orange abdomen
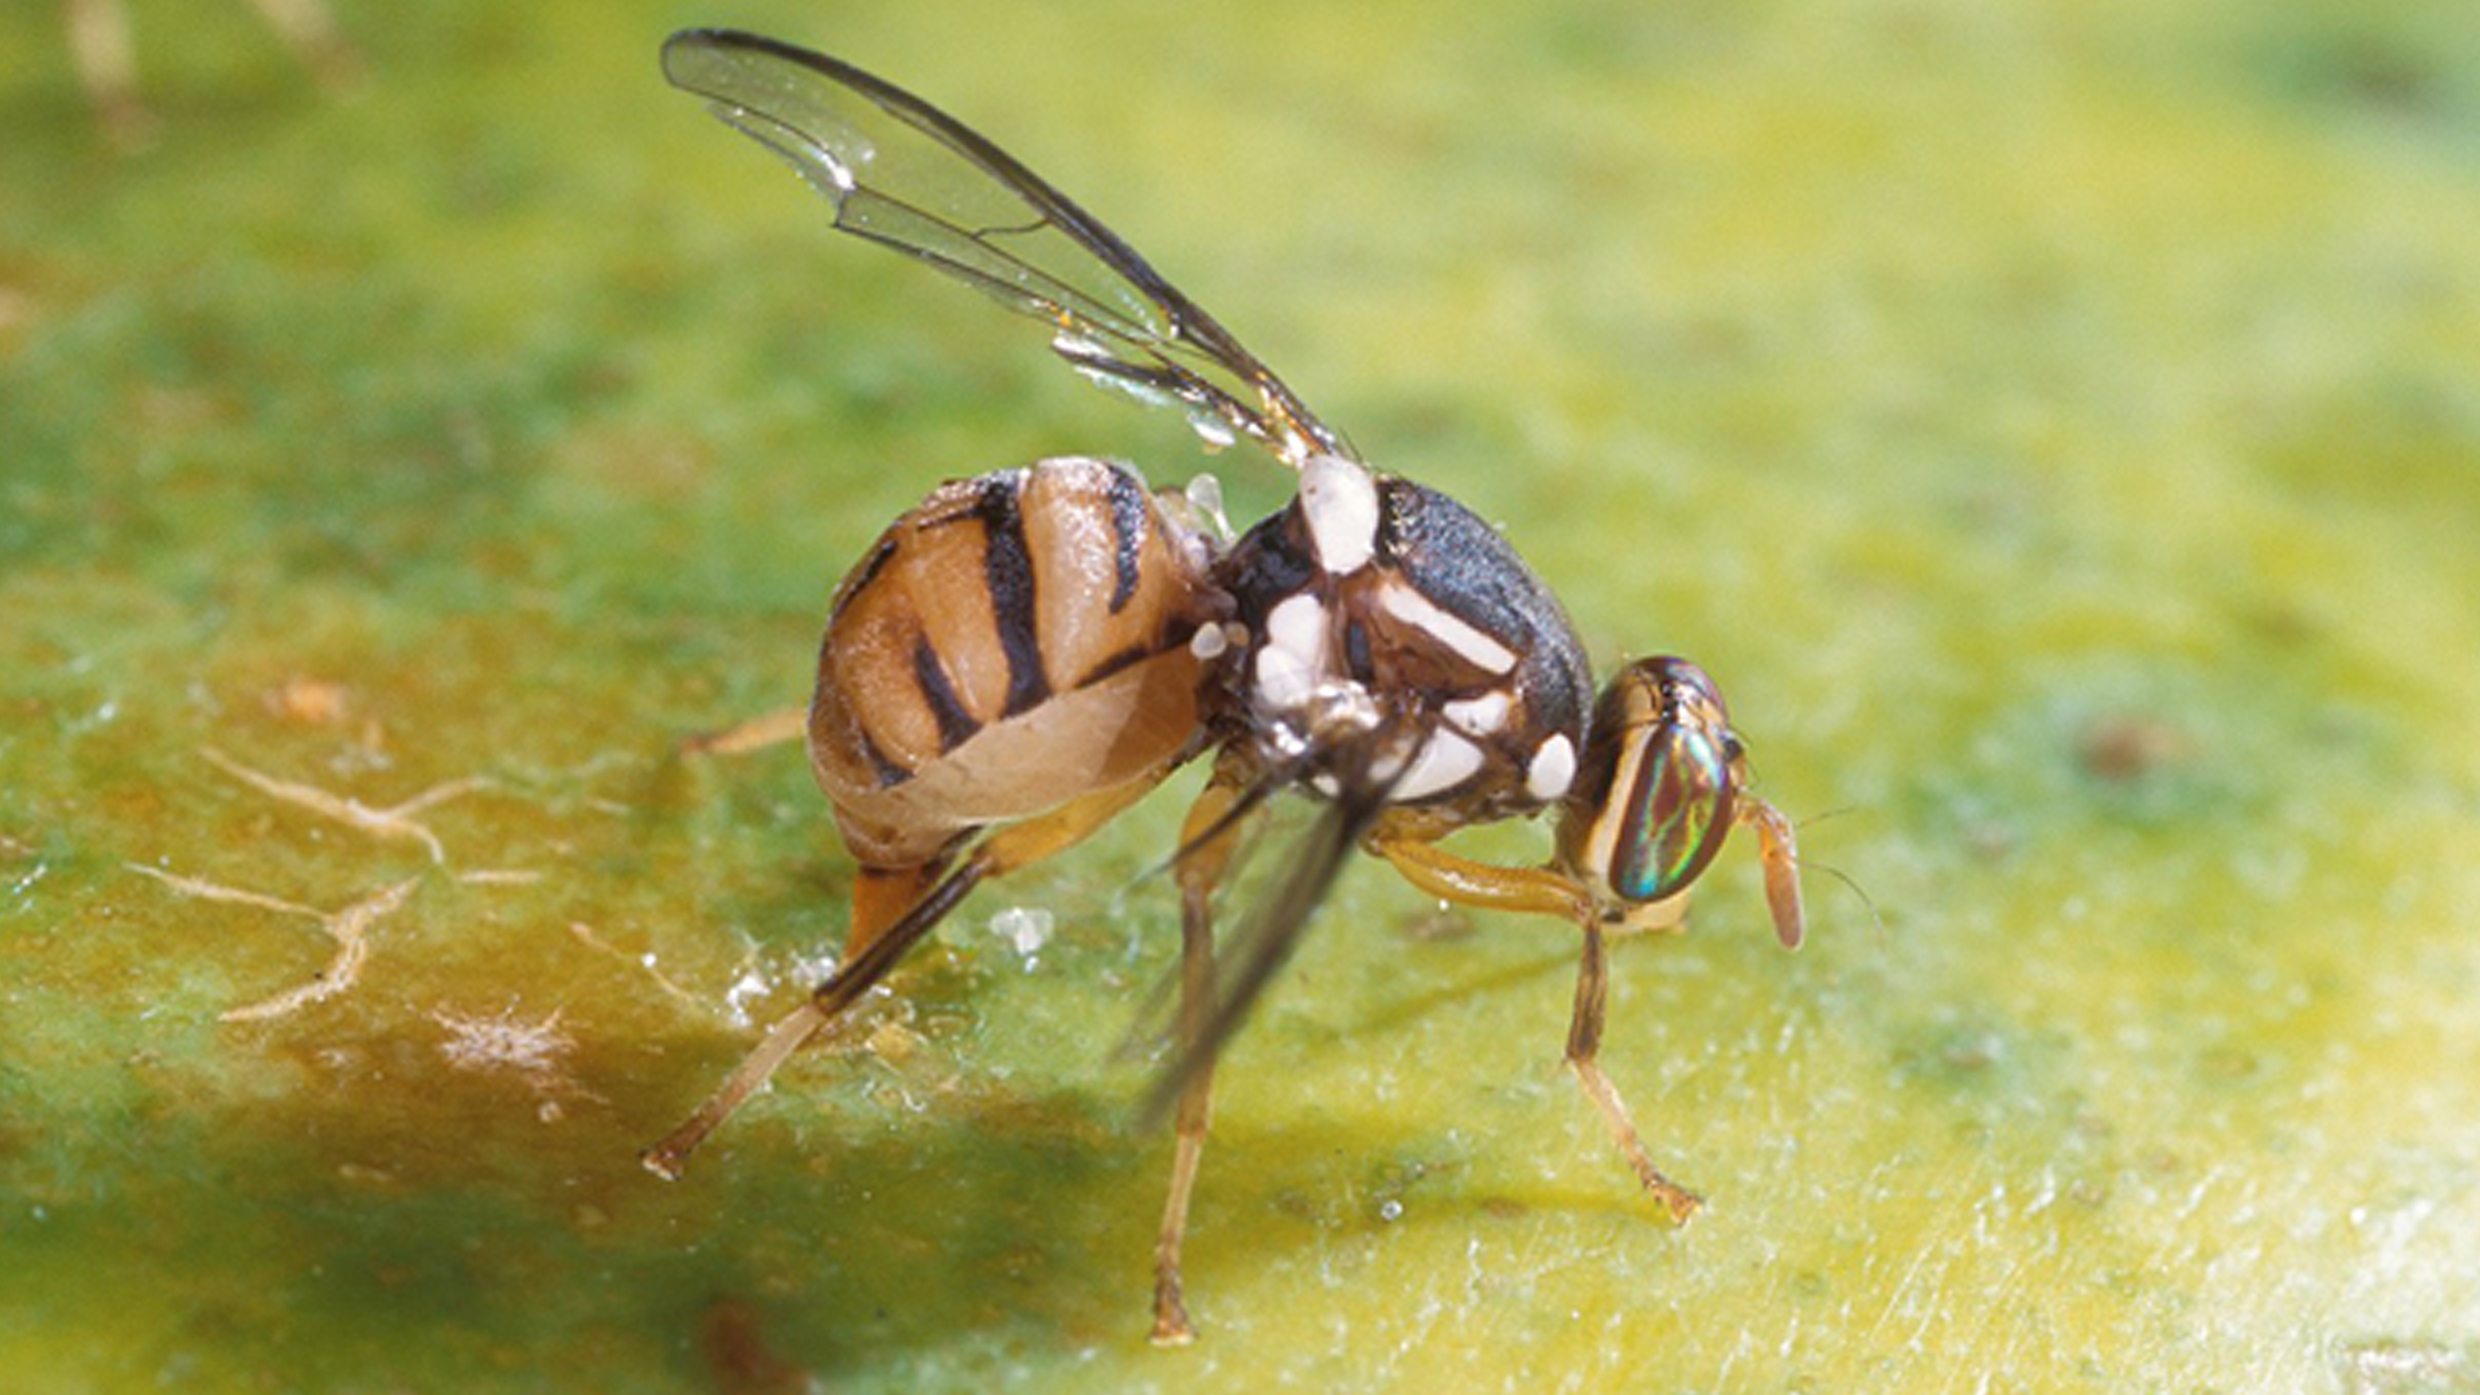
1017	640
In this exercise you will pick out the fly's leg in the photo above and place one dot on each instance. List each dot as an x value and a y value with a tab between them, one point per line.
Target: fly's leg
756	734
1482	885
1584	1043
1546	891
881	946
855	976
310	32
107	62
1208	840
99	37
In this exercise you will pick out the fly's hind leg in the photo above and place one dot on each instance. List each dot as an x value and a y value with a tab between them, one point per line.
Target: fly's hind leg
756	734
1545	891
107	63
893	910
310	32
1208	840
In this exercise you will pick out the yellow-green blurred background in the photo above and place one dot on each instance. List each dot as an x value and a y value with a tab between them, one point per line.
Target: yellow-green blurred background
2056	425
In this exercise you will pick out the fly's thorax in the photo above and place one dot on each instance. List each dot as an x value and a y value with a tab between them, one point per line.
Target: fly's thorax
1658	788
1395	637
1016	640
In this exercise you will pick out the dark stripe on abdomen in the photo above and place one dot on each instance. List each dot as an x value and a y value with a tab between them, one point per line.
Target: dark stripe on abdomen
1126	658
956	726
866	575
888	772
1127	537
1008	570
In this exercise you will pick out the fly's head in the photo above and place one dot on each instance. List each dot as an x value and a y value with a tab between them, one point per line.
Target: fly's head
1663	779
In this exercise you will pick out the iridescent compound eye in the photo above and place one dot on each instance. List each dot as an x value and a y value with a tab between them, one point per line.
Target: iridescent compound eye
1675	783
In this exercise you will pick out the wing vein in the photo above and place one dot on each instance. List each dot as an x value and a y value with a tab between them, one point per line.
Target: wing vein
905	175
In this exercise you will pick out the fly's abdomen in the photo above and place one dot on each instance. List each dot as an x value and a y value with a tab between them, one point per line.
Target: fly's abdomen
1017	640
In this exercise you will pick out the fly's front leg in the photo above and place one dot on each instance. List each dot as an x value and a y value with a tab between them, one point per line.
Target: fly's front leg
1208	839
1486	886
1548	891
1584	1043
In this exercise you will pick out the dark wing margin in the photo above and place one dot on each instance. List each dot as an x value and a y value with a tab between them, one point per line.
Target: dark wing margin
906	175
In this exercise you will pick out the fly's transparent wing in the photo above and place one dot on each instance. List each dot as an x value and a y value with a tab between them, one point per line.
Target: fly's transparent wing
1263	943
1363	772
904	174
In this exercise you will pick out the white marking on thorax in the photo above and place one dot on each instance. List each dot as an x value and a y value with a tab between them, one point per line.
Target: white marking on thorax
1470	643
1339	500
1299	624
1293	657
1479	717
1552	769
1284	683
1446	760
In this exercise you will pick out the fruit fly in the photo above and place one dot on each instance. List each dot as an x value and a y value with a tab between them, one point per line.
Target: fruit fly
1025	654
